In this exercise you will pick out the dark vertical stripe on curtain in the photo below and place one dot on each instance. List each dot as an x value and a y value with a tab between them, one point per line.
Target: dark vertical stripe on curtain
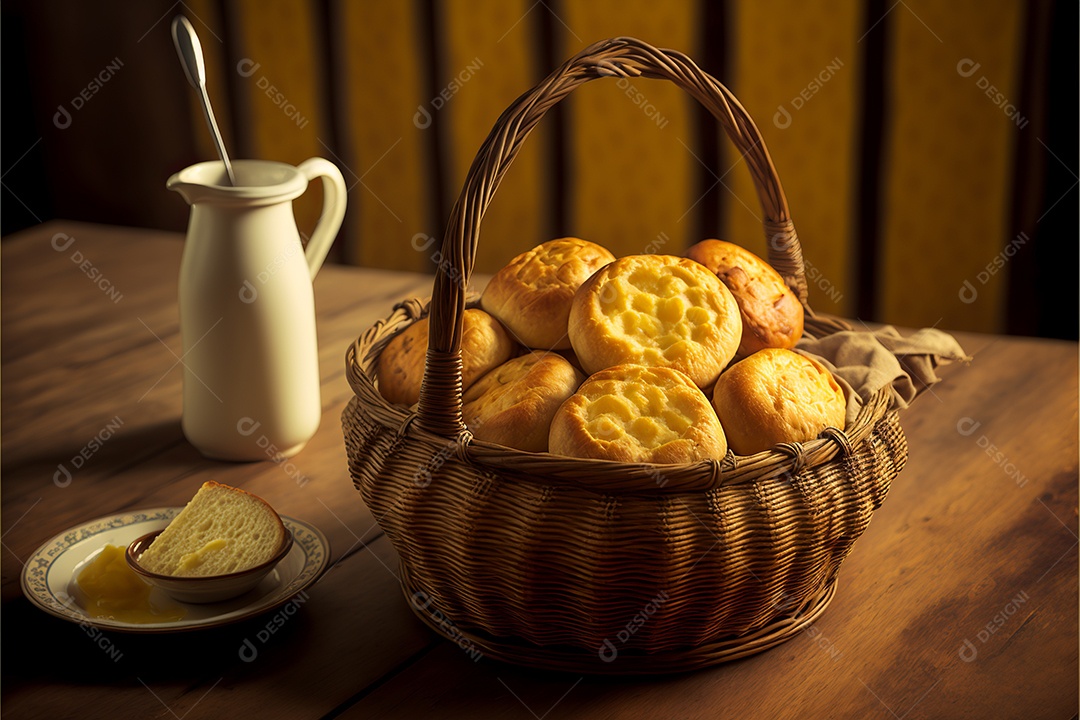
430	47
868	238
715	54
1029	165
243	116
1042	281
556	167
1057	259
332	129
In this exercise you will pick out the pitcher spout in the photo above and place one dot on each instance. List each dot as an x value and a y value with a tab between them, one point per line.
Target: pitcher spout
189	191
201	183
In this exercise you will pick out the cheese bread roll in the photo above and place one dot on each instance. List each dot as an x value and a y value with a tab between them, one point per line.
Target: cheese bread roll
772	315
634	413
656	310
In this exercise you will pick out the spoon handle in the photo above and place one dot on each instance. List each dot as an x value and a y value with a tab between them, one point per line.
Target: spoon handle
189	49
212	122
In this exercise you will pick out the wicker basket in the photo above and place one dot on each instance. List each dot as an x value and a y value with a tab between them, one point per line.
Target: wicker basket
590	565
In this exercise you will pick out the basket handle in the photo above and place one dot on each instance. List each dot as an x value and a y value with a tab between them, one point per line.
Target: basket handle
440	394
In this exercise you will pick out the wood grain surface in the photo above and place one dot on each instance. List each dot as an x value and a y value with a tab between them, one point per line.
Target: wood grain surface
959	601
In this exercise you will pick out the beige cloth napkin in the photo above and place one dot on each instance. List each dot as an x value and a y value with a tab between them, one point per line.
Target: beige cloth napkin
865	362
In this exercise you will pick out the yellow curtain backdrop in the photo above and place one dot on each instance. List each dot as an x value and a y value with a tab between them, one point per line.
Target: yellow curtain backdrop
800	82
385	154
491	56
279	81
406	92
948	162
631	164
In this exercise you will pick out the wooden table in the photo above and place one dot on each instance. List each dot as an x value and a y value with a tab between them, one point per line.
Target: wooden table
959	601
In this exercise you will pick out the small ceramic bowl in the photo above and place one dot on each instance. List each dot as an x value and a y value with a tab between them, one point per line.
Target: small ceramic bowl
207	589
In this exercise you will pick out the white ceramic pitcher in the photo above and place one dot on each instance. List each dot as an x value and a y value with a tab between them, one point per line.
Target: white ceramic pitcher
247	310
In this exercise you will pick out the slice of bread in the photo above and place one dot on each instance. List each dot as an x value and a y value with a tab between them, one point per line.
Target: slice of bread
222	530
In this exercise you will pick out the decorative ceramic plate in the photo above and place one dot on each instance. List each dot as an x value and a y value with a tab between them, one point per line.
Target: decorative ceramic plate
48	579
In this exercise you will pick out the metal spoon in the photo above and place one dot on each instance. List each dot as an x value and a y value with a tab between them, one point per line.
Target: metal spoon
191	57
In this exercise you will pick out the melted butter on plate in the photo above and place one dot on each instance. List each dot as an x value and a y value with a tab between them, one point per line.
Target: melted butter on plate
114	591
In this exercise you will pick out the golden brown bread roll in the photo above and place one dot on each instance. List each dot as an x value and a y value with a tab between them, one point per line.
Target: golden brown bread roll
513	404
771	314
656	310
531	295
634	413
484	346
777	396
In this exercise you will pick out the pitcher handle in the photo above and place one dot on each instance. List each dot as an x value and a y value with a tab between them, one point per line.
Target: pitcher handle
333	210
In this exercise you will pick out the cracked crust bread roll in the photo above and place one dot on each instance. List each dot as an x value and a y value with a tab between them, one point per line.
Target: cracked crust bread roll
776	396
513	404
531	295
484	346
772	315
656	310
634	413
